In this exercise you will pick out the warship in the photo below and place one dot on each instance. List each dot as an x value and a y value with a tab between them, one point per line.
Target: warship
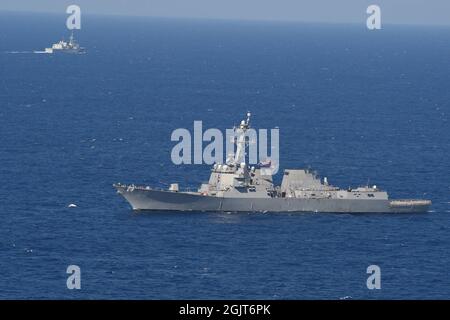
66	47
236	186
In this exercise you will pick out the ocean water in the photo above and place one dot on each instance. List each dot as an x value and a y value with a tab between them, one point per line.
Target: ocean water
353	104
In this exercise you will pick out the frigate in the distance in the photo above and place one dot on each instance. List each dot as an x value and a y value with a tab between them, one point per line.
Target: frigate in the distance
71	46
236	186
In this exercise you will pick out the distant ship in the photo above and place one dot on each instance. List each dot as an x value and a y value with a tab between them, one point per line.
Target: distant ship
66	47
237	187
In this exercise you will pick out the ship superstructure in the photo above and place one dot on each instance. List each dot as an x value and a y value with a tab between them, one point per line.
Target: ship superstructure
63	46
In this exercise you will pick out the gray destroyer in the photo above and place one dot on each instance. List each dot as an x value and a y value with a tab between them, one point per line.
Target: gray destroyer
238	187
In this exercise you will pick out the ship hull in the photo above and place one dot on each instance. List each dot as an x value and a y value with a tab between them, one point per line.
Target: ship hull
70	51
158	200
65	51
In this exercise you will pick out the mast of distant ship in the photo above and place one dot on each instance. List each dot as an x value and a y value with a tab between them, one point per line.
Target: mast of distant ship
71	38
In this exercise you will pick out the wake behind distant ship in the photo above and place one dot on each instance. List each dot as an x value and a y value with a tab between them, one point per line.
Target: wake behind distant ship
238	187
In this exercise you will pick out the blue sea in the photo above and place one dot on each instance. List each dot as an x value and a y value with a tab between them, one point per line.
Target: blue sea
353	104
